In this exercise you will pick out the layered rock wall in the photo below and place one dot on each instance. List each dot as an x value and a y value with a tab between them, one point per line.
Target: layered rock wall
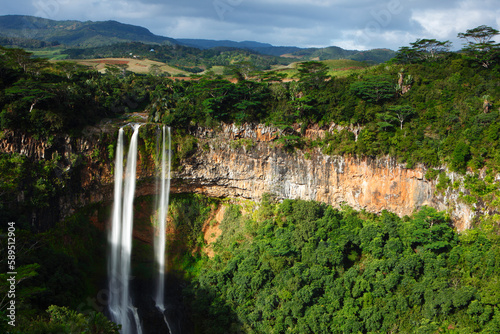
243	161
246	162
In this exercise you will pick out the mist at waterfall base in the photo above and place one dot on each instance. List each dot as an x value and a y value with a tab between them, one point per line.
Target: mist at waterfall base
140	305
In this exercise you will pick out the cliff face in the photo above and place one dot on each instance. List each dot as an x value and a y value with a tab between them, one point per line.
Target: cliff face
232	166
368	184
246	162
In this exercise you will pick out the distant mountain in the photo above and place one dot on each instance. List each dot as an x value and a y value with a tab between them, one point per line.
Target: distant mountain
277	51
330	52
263	48
376	56
210	43
76	33
335	52
35	32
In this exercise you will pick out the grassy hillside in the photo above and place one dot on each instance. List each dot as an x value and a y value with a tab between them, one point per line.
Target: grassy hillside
139	66
335	67
189	59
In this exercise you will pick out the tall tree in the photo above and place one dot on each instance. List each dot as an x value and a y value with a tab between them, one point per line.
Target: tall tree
402	112
407	55
480	45
312	74
430	48
374	88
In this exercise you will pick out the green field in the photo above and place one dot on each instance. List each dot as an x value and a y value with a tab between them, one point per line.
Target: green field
336	67
50	53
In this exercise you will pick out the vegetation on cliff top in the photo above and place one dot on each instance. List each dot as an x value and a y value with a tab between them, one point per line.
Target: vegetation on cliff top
427	106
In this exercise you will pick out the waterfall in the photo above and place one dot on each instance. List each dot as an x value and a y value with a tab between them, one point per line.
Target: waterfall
120	303
115	234
166	157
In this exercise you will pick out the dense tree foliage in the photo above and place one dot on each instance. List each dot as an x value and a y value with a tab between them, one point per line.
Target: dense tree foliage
42	99
423	50
55	267
304	267
418	108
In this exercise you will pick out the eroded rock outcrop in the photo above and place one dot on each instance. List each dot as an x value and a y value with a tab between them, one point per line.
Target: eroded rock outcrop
246	162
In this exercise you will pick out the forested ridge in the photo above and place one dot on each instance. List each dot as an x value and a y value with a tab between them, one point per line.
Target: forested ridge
183	57
294	266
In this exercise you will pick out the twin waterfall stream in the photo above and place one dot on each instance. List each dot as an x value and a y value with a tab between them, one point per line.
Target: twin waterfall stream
121	307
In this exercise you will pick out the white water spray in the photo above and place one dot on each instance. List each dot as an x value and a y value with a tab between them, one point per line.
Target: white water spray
120	303
160	241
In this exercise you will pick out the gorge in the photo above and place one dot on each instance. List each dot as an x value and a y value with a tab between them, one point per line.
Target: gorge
236	163
317	199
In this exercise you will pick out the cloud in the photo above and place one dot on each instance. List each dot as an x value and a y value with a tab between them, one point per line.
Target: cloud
363	40
445	24
95	10
353	24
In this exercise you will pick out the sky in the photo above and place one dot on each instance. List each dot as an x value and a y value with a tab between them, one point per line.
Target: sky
350	24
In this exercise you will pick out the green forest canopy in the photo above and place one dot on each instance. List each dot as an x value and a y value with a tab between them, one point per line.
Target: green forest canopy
304	267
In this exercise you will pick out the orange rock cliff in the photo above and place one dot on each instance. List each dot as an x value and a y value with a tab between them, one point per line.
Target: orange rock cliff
245	162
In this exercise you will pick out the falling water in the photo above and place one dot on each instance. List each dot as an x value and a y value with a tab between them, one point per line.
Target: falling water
162	218
115	234
120	303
